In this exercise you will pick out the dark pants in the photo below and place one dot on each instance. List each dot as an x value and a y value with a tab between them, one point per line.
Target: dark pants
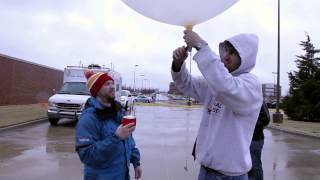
256	173
205	174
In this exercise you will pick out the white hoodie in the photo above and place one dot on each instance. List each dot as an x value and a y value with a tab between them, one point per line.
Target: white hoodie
231	106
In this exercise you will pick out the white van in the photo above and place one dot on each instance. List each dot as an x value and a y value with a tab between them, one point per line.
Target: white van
70	100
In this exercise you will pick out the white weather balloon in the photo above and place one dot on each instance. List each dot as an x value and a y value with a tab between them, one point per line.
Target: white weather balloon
180	12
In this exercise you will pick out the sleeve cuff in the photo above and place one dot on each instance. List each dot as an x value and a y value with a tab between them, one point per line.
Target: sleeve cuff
176	74
174	68
204	54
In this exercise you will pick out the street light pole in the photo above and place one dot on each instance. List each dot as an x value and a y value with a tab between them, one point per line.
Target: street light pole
142	75
134	77
277	116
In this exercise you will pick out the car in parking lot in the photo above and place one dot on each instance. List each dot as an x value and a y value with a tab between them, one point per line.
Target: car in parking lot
143	99
126	99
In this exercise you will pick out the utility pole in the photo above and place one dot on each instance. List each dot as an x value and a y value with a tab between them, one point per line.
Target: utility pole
277	116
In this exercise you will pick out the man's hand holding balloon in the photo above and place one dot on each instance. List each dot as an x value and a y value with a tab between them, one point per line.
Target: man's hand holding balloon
193	39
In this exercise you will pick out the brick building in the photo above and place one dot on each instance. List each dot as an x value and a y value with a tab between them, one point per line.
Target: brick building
23	82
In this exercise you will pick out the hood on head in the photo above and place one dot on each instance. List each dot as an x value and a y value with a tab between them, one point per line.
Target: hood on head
247	47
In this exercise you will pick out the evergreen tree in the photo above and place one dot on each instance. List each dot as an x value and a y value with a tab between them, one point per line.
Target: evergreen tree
303	101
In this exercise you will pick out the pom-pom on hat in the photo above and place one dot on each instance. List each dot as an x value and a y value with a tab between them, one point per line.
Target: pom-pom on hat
96	81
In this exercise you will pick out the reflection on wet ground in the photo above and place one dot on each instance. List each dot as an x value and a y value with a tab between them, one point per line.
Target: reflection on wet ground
39	152
165	136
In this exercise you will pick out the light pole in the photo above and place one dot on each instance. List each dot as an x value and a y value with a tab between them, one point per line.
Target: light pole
134	77
277	116
142	75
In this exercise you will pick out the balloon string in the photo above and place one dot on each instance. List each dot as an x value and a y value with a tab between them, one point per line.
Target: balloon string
190	54
189	103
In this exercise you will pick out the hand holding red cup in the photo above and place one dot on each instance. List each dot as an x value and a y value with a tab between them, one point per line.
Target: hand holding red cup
128	119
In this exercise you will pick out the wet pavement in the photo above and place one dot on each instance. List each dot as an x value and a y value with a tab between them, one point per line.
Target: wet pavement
165	136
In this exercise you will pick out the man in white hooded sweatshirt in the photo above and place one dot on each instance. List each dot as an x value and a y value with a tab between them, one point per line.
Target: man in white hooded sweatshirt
232	99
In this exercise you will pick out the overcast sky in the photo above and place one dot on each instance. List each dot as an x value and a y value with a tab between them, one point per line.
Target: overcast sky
58	33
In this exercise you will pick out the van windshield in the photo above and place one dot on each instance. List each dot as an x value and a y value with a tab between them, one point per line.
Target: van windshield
125	93
78	88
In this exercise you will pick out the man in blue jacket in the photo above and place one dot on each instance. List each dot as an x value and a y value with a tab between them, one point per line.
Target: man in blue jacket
105	147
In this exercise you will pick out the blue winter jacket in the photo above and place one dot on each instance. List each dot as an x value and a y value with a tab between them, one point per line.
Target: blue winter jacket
104	155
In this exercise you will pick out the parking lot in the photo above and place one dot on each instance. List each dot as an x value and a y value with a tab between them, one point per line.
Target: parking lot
165	136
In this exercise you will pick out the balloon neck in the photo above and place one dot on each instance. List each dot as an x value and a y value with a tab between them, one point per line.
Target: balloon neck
189	27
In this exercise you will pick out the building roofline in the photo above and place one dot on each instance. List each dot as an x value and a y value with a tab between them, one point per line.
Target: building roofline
29	62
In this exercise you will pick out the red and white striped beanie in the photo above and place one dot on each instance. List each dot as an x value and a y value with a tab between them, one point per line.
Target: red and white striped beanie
96	81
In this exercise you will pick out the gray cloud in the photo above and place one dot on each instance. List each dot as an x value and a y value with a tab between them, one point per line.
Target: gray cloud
61	33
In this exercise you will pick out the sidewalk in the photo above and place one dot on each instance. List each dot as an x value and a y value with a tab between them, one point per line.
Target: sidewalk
297	127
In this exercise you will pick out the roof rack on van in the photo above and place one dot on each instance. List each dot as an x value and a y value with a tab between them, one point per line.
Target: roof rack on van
89	67
94	66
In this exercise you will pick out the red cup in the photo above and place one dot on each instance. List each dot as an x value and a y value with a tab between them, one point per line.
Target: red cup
128	119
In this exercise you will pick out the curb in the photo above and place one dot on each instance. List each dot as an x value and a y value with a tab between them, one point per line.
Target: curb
296	132
22	124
